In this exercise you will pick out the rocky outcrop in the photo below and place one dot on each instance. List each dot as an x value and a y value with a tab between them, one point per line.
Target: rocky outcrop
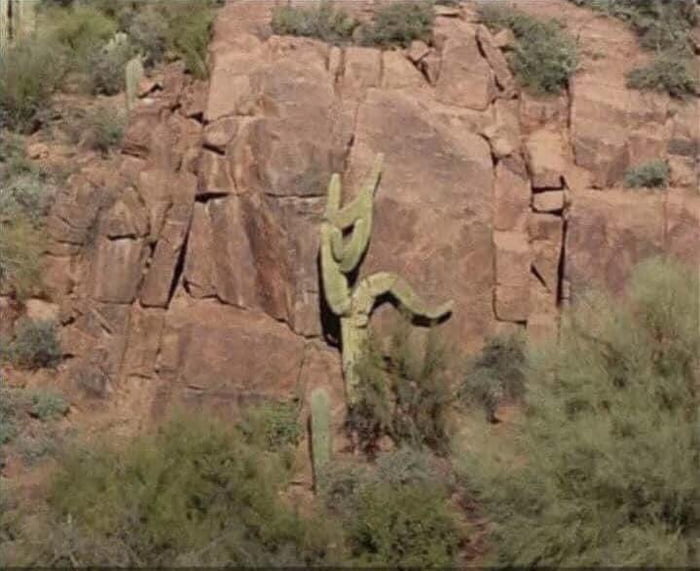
190	267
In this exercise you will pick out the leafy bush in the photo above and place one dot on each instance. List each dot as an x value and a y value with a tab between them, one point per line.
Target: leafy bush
545	56
272	426
35	345
103	129
35	448
405	396
405	526
20	255
25	196
407	466
496	374
30	71
608	459
107	65
666	73
400	23
13	159
653	174
148	31
324	21
81	28
46	405
194	493
8	413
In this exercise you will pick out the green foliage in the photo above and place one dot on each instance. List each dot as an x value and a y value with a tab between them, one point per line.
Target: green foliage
47	405
103	129
653	174
661	25
324	21
21	246
606	468
545	56
496	374
400	23
25	196
397	514
666	73
272	426
106	65
194	493
35	345
37	447
30	71
8	415
13	159
81	28
405	526
405	396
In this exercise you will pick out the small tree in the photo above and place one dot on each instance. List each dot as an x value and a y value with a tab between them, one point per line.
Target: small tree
607	469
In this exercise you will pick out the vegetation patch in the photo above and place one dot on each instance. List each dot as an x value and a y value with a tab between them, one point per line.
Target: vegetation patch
496	375
544	56
35	345
326	22
605	467
653	174
666	73
405	395
400	23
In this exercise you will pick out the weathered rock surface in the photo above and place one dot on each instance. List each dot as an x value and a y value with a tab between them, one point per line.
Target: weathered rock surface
187	268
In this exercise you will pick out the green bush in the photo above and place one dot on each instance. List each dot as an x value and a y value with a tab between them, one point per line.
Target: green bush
272	426
21	247
545	56
194	493
606	467
30	71
406	465
653	174
35	345
496	374
405	396
148	31
81	28
103	129
666	73
25	196
400	23
13	159
107	65
46	405
8	415
325	22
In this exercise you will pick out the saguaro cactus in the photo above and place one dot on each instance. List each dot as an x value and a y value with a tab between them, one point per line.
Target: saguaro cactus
5	24
17	18
321	443
134	73
345	234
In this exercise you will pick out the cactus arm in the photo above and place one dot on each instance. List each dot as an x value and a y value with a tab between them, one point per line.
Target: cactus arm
334	196
334	282
4	25
387	283
356	246
361	206
321	443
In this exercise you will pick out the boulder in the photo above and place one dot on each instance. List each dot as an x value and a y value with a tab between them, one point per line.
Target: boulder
546	159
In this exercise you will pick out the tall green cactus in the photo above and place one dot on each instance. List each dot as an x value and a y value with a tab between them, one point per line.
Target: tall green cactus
134	74
345	235
5	25
321	443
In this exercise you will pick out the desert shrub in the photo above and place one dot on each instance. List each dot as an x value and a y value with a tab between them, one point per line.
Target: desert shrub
30	71
81	28
404	526
399	23
103	129
496	374
35	345
666	73
47	405
20	255
272	425
325	22
148	31
8	415
27	196
653	174
407	466
544	57
37	447
405	396
607	461
107	65
194	493
661	25
13	159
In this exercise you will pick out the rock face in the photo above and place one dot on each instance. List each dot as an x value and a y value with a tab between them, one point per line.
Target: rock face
188	267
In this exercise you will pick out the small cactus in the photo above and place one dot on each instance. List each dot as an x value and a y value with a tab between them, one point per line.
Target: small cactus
134	74
345	235
321	440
